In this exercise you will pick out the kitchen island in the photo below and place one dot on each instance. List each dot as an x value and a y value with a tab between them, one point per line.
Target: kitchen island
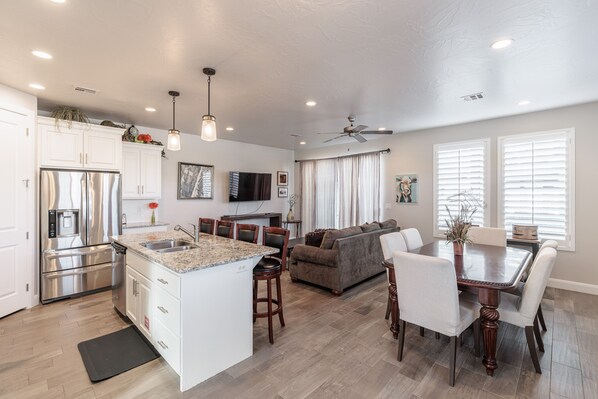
193	305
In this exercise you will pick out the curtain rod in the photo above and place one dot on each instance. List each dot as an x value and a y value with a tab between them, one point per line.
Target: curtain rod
386	151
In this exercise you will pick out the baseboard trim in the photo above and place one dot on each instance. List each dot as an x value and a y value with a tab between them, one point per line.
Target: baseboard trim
573	286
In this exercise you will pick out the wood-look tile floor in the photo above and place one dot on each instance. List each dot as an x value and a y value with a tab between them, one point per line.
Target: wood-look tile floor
332	347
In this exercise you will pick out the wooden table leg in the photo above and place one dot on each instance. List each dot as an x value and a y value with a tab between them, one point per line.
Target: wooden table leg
489	299
394	310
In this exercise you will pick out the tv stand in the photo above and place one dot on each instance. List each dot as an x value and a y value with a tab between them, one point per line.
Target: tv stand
275	218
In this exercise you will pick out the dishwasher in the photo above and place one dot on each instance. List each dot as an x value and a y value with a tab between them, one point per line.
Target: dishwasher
119	285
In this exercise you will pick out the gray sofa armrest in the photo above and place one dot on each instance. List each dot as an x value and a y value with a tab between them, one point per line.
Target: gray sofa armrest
307	253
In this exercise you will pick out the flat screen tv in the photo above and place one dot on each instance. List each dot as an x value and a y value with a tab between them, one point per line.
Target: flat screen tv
244	186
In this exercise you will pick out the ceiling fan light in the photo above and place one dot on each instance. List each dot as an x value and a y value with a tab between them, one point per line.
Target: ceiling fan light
208	128
174	140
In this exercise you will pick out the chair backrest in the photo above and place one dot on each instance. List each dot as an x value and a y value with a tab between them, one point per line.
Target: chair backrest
549	244
488	236
277	237
412	238
206	225
392	242
224	228
248	232
536	284
427	291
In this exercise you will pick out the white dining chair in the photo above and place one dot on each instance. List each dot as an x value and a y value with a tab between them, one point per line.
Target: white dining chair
488	236
549	244
428	297
412	238
391	242
521	311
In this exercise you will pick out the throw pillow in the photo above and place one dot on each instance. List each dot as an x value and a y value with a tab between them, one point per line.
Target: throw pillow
367	227
331	236
387	224
315	237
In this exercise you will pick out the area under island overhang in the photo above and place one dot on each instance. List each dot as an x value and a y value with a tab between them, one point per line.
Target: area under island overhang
194	305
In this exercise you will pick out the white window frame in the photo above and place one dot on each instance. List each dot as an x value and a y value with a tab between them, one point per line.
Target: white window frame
438	231
568	244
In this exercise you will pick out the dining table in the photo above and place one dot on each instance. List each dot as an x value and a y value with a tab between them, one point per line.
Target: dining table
485	269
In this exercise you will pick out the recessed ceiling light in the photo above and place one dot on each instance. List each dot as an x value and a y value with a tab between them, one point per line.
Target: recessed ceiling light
41	54
381	128
501	43
524	102
230	128
36	86
311	103
302	142
58	1
150	109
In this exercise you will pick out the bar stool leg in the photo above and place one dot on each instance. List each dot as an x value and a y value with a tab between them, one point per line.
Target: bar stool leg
270	332
254	299
279	298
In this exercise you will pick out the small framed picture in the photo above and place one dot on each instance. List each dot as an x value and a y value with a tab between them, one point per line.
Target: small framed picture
283	192
195	181
283	178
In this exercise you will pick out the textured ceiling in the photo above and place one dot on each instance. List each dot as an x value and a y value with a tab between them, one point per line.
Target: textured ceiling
402	65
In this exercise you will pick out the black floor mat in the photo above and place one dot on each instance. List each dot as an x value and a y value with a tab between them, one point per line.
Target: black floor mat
112	354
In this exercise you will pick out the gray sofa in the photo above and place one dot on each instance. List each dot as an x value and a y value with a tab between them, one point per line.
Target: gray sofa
344	258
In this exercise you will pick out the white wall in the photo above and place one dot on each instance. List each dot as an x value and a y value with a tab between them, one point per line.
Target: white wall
226	156
411	152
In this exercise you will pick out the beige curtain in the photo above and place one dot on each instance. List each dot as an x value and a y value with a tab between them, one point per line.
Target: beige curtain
340	192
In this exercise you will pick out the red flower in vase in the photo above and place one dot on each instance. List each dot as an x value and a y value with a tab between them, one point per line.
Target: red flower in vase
153	205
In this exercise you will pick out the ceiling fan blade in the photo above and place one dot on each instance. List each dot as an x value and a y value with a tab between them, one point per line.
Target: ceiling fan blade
331	133
377	132
359	128
359	138
334	138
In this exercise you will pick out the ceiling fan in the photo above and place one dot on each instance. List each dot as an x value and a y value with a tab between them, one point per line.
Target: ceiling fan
355	131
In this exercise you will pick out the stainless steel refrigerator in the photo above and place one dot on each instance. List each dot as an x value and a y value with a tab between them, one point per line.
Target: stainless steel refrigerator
79	212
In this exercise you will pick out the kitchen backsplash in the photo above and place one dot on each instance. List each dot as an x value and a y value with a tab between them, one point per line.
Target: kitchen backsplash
139	210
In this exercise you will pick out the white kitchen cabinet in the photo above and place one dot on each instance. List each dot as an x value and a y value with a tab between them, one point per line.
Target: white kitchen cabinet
139	301
79	147
142	171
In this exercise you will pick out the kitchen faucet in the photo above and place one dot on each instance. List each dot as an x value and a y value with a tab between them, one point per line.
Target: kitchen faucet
194	235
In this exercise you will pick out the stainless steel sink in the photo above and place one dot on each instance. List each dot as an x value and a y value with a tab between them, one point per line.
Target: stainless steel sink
169	245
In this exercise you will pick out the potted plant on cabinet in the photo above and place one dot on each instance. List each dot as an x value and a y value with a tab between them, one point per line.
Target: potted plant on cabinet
293	199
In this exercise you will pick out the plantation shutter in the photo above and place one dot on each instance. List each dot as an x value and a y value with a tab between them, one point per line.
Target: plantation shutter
537	182
460	168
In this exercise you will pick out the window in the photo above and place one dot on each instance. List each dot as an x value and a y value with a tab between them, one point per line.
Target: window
461	167
536	183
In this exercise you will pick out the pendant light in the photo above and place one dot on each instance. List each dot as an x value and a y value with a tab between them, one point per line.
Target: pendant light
208	123
174	136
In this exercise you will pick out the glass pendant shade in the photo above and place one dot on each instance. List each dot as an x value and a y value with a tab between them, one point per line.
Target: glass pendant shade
208	128
174	140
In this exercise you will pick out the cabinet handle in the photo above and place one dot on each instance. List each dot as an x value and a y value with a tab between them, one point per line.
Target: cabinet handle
138	189
86	158
134	287
162	309
142	189
80	157
163	281
162	344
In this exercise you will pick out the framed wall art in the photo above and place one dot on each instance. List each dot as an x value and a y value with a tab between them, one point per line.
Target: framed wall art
283	178
407	189
283	192
195	181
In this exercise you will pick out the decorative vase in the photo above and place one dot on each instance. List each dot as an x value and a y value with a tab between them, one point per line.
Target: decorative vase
153	219
290	215
458	248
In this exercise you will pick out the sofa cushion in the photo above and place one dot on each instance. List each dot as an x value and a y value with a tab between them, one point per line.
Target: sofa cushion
313	255
315	237
367	227
387	224
332	235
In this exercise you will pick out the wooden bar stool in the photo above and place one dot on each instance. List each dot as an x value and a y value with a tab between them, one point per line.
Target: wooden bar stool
225	228
206	225
268	268
248	232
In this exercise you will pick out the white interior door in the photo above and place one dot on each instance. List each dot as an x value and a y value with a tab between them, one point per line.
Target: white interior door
15	263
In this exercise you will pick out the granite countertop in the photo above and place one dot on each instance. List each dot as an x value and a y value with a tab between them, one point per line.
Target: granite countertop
138	225
212	251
